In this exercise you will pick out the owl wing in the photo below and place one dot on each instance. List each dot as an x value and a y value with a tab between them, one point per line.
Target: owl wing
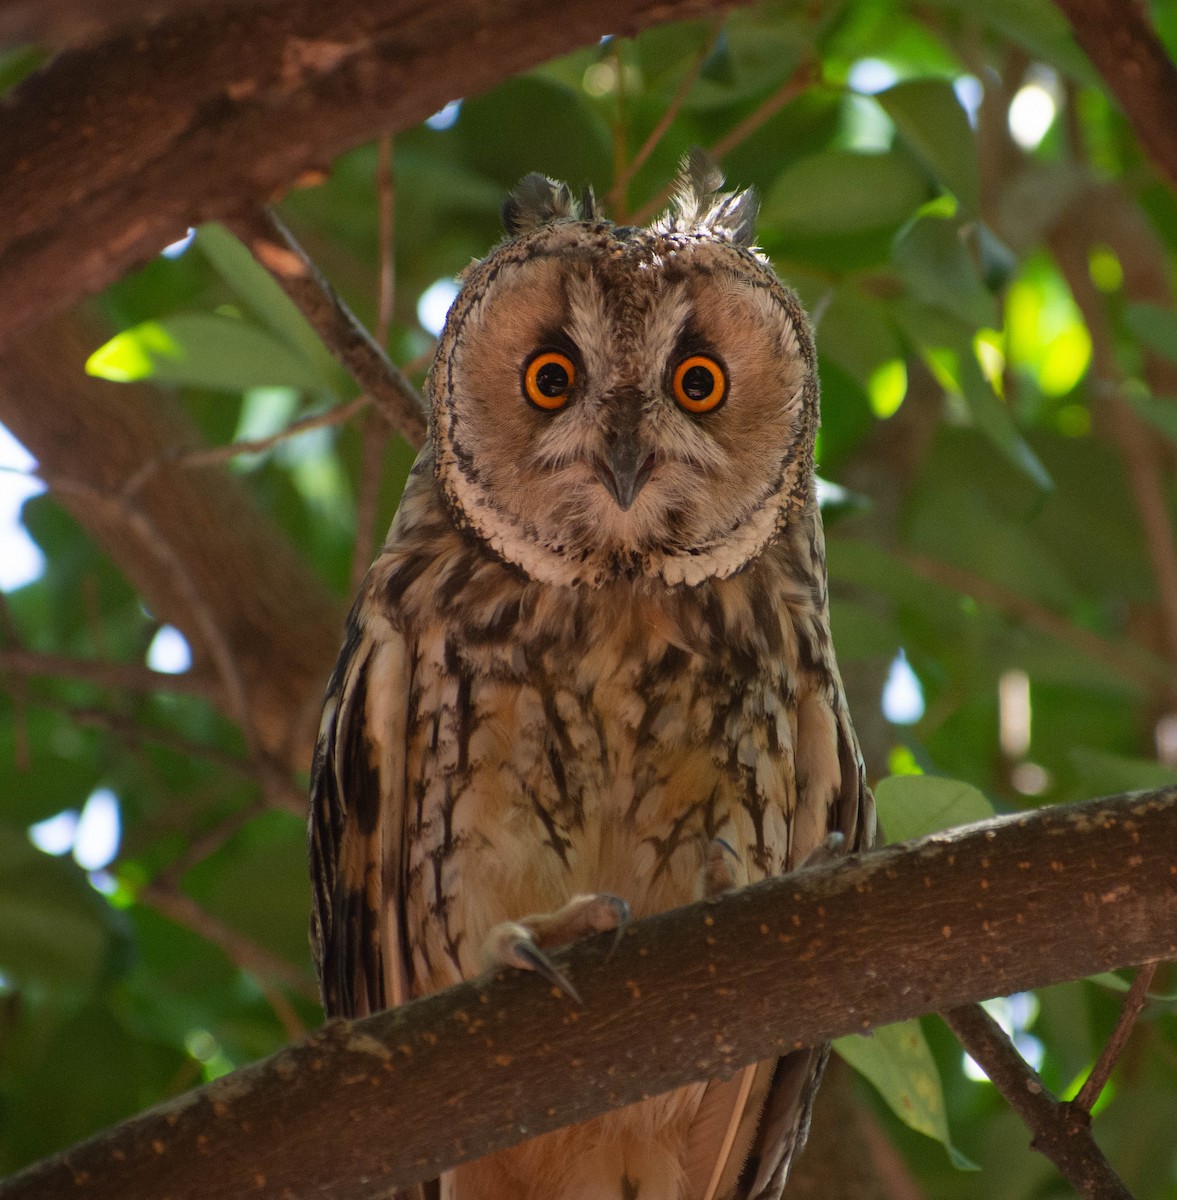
748	1127
356	821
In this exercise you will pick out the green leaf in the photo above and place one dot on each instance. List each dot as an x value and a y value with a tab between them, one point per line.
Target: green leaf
203	350
841	192
939	270
260	291
1155	326
930	120
947	346
910	806
897	1060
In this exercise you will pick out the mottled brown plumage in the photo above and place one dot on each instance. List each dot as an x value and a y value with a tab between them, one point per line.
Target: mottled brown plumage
593	659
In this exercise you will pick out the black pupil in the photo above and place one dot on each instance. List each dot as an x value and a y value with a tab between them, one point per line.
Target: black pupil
698	383
552	379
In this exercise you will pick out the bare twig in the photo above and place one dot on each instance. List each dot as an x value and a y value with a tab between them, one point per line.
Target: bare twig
1126	660
1134	1002
242	950
374	429
210	633
215	455
31	664
1061	1132
616	199
276	248
19	691
792	87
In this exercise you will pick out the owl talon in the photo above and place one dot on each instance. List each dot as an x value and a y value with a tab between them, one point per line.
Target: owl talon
514	945
719	874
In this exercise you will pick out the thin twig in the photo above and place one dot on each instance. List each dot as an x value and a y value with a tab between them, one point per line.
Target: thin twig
215	643
1127	660
276	248
214	455
374	429
1134	1003
242	950
792	87
30	664
1061	1133
616	200
19	691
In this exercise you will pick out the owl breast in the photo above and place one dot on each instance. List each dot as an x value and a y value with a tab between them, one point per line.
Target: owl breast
563	741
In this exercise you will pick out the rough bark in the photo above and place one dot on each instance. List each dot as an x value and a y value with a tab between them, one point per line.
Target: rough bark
113	151
360	1106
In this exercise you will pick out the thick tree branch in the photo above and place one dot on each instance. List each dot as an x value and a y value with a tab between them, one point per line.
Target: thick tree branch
1121	42
360	1106
113	151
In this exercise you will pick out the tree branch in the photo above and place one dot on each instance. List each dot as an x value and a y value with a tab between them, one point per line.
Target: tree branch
1060	1131
276	248
114	151
362	1107
1123	46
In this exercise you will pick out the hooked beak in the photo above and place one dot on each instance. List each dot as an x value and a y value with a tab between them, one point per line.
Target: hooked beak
624	469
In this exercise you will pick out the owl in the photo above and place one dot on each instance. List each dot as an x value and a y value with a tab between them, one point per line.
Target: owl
589	676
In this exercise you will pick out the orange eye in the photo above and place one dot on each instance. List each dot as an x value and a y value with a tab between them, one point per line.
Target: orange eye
548	379
699	384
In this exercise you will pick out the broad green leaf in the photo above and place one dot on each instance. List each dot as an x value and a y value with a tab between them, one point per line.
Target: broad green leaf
203	350
939	269
948	349
897	1060
842	192
910	806
259	290
931	121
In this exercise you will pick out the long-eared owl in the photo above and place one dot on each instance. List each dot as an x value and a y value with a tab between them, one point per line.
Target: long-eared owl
590	675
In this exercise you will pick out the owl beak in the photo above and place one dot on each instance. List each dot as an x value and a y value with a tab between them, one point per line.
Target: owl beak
624	469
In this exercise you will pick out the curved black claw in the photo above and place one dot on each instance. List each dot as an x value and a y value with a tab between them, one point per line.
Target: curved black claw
534	959
622	914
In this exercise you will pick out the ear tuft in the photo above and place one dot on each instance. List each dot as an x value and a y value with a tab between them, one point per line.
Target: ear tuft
537	200
699	207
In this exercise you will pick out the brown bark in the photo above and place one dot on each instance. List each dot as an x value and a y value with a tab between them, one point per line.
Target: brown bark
360	1106
190	540
1121	42
112	151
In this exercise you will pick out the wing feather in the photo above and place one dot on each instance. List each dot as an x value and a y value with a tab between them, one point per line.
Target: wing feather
356	822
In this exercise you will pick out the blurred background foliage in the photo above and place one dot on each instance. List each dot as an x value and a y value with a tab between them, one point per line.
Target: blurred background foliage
987	257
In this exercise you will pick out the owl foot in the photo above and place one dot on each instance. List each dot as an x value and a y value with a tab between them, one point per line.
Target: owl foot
517	943
719	874
829	848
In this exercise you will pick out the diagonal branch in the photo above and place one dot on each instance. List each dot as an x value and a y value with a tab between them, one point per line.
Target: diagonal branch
691	994
1061	1132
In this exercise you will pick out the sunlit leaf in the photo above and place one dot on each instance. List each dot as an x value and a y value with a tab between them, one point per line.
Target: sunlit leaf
896	1059
874	191
203	350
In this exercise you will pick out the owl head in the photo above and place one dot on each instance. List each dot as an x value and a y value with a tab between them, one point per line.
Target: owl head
612	402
